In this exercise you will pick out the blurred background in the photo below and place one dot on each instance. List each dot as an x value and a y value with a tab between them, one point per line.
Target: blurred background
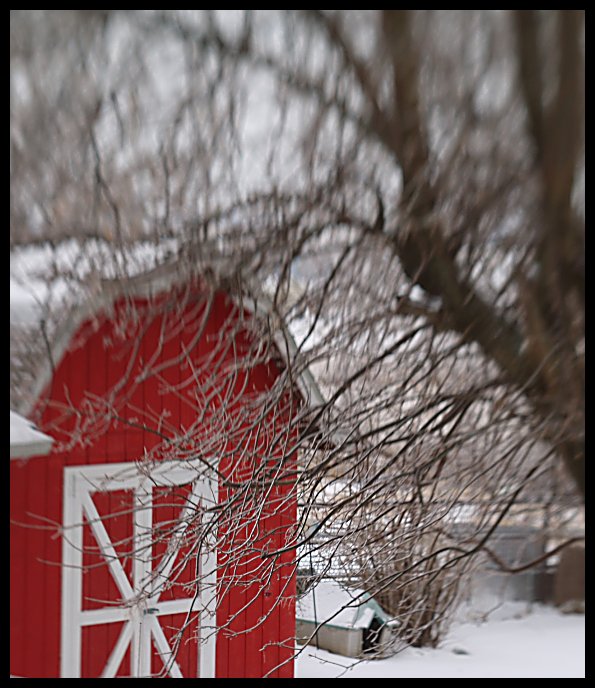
407	188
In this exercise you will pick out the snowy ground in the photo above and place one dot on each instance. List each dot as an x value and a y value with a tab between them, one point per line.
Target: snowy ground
512	643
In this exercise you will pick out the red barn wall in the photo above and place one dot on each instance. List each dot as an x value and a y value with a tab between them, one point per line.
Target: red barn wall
259	589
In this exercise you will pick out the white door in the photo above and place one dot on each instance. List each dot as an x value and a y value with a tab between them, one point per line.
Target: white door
139	608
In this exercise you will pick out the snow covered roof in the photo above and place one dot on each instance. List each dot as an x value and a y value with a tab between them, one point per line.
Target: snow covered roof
25	439
331	604
53	291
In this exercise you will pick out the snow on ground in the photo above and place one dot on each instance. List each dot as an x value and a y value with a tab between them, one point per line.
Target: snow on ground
510	644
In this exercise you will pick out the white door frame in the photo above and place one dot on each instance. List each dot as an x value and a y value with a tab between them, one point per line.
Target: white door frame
140	614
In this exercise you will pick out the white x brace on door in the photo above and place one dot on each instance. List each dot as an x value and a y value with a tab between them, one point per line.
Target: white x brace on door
140	606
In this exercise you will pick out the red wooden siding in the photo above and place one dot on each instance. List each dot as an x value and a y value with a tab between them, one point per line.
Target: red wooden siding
256	609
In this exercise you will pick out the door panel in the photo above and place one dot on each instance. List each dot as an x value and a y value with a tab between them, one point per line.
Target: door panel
115	510
131	562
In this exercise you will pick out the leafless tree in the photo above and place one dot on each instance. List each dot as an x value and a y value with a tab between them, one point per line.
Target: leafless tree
405	189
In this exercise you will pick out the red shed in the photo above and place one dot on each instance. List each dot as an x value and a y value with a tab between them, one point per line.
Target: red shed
156	537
